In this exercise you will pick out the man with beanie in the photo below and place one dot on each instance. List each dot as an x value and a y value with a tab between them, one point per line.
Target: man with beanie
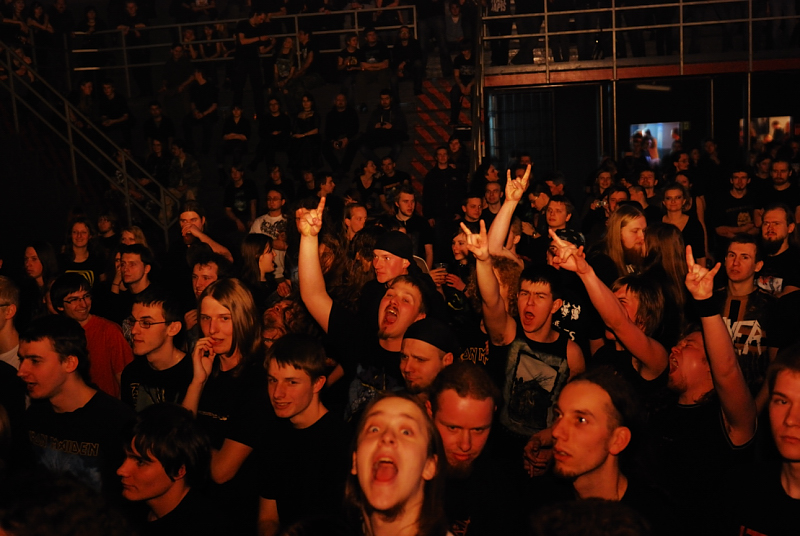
428	347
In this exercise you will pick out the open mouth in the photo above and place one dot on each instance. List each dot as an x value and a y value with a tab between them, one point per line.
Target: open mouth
384	470
390	316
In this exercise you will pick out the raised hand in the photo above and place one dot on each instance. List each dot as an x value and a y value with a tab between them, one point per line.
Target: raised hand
568	256
516	188
202	360
309	222
478	244
699	279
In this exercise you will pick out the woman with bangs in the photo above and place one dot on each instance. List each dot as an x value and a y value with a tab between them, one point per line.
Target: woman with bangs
229	397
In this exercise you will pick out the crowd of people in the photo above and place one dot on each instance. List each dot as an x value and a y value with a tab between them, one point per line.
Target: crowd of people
359	365
465	354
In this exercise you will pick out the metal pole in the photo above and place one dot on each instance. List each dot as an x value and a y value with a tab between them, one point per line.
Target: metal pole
748	111
711	91
127	72
127	189
11	75
680	32
546	44
67	70
70	142
614	64
601	117
614	116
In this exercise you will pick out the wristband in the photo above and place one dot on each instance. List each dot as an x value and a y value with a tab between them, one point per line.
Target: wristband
706	308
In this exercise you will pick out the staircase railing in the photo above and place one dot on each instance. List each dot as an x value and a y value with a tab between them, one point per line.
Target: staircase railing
19	79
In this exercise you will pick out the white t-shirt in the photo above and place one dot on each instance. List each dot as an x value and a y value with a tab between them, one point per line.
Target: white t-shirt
11	357
272	226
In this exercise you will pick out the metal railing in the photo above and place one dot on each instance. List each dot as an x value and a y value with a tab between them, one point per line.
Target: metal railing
616	33
78	142
293	23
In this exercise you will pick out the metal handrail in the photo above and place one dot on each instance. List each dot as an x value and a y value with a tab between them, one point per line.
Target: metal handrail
179	27
66	116
614	29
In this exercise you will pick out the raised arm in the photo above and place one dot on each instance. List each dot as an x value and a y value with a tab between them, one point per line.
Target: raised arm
312	284
738	406
498	231
650	354
500	326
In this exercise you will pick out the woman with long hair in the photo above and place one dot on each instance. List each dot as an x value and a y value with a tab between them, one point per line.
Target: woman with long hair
666	264
396	442
133	235
229	397
371	190
258	267
78	254
41	269
676	203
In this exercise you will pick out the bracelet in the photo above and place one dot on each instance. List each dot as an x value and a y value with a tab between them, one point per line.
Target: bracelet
706	308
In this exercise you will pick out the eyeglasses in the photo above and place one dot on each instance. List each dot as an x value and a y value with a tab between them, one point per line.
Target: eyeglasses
85	298
144	322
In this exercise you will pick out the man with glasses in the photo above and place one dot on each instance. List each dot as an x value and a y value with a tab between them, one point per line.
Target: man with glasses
164	374
109	353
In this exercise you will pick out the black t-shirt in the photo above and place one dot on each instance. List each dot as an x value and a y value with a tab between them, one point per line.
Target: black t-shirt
308	49
238	408
650	392
113	108
790	196
195	515
692	454
465	68
162	131
484	503
377	53
238	199
304	470
357	349
142	385
352	60
232	127
92	268
728	211
758	504
204	96
420	231
577	317
87	443
780	271
250	51
284	64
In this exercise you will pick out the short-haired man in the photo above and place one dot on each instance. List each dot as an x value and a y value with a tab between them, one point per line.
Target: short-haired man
597	419
184	173
192	220
649	181
478	497
273	224
472	207
763	498
392	179
747	311
555	181
355	218
241	199
136	262
340	144
167	458
386	127
9	338
417	228
308	460
71	426
780	274
109	352
781	188
162	373
558	212
539	358
652	213
357	344
493	199
428	347
735	212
